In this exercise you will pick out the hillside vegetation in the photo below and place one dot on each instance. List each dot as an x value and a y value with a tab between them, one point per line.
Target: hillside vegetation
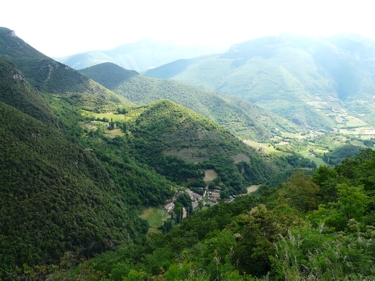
180	144
241	118
49	76
313	82
310	228
81	168
57	196
78	164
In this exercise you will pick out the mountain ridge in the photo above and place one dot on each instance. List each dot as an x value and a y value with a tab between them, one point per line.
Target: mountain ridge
138	56
282	74
241	118
50	76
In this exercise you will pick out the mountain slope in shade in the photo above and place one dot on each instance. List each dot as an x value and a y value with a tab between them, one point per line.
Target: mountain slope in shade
139	56
12	46
239	117
307	80
17	92
50	76
56	194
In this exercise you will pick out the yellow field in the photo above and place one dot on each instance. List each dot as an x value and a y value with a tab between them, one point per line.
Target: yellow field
252	188
109	116
265	148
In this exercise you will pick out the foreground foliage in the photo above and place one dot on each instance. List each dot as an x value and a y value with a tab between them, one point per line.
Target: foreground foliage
277	234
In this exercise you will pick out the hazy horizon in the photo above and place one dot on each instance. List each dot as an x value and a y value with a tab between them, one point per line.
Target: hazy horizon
67	28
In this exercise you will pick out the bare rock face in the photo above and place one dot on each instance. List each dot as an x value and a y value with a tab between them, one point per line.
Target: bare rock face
12	34
18	76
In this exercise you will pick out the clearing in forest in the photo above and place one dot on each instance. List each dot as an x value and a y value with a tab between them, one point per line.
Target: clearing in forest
252	188
155	218
209	175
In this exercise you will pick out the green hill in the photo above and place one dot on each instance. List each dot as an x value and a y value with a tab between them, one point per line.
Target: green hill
310	81
12	46
17	92
78	167
317	227
55	196
60	191
52	77
163	133
240	118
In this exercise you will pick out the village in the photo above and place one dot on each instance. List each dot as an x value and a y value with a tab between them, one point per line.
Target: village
210	197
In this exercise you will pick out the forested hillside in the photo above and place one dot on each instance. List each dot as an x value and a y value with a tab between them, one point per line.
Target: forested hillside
57	193
239	117
79	164
310	81
47	75
310	228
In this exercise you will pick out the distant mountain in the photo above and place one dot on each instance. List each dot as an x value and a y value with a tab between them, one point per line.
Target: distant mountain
139	56
239	117
313	82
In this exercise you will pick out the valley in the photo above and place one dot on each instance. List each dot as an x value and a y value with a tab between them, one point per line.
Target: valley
205	168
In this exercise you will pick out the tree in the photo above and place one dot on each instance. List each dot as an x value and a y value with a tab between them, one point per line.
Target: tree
351	204
301	192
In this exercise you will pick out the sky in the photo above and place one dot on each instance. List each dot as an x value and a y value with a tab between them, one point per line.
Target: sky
62	28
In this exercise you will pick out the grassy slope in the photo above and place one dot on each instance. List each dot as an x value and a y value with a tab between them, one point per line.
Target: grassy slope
12	46
16	91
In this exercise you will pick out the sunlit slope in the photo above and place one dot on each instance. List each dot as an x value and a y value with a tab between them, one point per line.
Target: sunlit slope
307	80
242	118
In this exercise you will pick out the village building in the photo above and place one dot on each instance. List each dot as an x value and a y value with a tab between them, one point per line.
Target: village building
169	207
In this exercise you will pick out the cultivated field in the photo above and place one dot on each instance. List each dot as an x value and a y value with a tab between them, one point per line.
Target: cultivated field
265	148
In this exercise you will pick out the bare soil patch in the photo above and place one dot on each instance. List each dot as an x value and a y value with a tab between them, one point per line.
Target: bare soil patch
241	157
252	188
209	175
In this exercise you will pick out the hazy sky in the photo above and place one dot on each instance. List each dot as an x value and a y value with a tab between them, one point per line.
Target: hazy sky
58	28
